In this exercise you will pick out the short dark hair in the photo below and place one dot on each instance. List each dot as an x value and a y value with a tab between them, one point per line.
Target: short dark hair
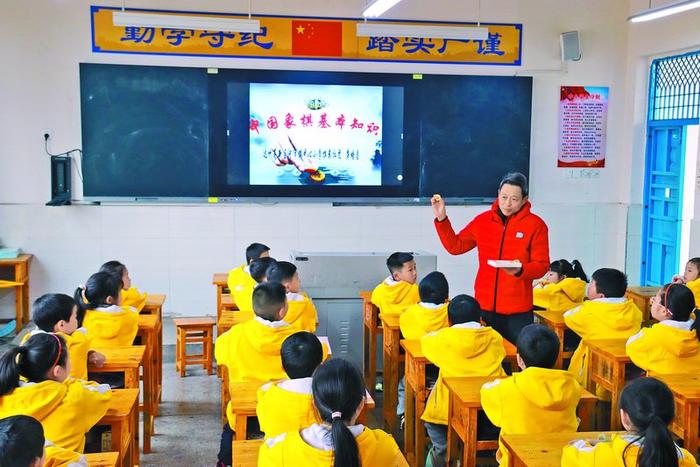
51	308
395	261
268	299
258	268
254	251
115	268
515	179
695	261
463	309
610	282
21	441
538	346
434	288
281	271
302	353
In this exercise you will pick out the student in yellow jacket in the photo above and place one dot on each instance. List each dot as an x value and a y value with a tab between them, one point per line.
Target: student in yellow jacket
606	315
339	395
108	323
466	348
243	295
539	399
288	405
646	410
67	408
563	287
398	291
301	312
58	313
671	345
691	278
239	278
131	296
431	313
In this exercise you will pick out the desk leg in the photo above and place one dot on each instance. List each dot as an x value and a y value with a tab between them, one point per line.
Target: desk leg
586	412
692	416
469	453
409	426
420	430
19	308
131	378
391	381
372	370
451	436
618	378
148	394
560	358
241	427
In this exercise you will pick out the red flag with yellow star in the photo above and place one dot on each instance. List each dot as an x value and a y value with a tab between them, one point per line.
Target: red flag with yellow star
317	38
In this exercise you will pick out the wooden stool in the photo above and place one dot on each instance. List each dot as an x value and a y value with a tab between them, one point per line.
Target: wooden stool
194	331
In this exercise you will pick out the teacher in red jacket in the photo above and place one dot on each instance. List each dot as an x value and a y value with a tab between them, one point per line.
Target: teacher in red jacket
507	231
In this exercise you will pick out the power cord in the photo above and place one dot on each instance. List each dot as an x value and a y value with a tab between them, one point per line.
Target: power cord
67	154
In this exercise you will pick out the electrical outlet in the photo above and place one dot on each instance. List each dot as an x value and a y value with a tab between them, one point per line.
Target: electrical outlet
46	131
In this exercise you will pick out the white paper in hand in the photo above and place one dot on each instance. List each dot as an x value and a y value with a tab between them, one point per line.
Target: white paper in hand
503	263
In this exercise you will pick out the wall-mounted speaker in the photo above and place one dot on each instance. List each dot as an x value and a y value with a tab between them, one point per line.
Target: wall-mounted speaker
570	46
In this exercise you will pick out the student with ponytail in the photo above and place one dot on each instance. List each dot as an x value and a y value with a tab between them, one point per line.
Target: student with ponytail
131	296
67	408
338	441
562	288
673	344
646	410
101	313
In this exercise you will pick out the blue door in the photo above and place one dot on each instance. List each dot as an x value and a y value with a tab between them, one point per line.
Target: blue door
663	194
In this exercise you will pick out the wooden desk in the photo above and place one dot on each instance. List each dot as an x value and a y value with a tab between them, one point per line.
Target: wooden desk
417	395
148	331
465	403
641	296
371	329
245	452
102	459
607	360
154	305
126	360
392	364
122	417
554	320
543	450
220	280
20	266
686	393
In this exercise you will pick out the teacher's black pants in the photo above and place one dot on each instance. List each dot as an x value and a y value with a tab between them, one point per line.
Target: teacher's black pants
508	326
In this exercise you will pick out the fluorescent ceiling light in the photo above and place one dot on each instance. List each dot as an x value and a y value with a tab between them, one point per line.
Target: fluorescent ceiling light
408	30
667	10
213	23
378	7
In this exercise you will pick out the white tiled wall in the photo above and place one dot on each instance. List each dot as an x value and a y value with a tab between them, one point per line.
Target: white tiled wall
175	249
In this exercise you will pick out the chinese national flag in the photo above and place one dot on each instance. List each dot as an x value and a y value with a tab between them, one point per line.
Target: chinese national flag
317	38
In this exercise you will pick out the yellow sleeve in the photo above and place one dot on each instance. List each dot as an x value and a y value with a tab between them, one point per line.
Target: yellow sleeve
221	348
433	348
576	320
270	454
578	454
134	298
492	401
638	348
95	402
59	457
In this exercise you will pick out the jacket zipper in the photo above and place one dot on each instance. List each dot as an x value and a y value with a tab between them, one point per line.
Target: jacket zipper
500	251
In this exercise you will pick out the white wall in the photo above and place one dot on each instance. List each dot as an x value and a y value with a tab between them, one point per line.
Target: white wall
174	249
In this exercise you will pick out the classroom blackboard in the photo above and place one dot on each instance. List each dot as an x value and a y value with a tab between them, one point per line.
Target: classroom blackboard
145	131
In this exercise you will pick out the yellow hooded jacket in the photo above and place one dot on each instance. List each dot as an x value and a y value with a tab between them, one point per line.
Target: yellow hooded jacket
241	286
666	347
251	350
422	318
466	349
605	318
301	312
609	453
66	410
134	298
536	400
59	457
285	406
112	326
694	287
562	296
376	448
79	344
393	297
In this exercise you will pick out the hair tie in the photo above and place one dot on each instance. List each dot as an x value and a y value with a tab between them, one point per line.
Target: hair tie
335	415
83	289
60	349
